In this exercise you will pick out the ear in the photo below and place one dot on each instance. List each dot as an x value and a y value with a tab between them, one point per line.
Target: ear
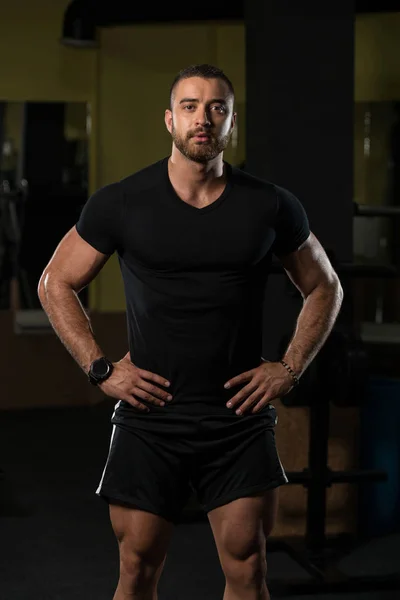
168	120
233	122
234	116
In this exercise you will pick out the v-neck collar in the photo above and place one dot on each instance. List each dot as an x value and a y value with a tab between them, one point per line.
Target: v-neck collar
189	207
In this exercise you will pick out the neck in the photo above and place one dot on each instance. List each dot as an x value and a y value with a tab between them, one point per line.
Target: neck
195	175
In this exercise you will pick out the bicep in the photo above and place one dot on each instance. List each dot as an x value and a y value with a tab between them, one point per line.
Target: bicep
75	263
309	266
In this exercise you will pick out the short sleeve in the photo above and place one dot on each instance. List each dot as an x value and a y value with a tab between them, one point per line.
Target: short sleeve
291	225
99	221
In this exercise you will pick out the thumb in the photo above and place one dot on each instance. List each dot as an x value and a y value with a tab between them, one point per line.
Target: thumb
127	356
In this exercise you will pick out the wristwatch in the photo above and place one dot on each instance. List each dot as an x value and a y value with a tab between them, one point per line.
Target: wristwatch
100	370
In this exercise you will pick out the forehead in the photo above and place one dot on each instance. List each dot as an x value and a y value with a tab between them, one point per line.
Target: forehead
202	89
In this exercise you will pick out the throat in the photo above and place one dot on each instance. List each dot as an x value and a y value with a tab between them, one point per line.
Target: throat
200	200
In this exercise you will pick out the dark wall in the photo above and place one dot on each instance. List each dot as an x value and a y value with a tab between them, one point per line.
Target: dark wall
299	103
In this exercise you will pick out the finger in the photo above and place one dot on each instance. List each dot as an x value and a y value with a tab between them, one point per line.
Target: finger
262	404
133	402
242	395
153	377
154	391
239	379
147	396
127	356
249	402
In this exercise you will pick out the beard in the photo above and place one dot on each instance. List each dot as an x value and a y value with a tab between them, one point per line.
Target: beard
200	152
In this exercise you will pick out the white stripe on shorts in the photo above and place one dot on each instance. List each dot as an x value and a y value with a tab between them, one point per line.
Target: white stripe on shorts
283	470
109	450
115	408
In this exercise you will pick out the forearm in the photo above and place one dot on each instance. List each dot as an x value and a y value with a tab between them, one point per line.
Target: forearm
314	323
70	322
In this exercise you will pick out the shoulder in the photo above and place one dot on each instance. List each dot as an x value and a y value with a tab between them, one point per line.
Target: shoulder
114	192
145	179
109	192
279	195
251	182
287	202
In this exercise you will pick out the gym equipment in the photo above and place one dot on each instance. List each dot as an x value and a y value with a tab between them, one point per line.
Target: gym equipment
316	554
338	375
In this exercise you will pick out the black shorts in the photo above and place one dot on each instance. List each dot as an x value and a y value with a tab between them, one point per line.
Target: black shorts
157	469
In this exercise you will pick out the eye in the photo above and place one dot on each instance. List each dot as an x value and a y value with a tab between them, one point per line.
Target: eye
219	108
188	107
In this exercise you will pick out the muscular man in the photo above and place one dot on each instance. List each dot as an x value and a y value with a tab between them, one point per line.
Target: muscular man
194	238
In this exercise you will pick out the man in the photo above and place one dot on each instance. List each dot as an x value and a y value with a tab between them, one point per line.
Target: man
194	237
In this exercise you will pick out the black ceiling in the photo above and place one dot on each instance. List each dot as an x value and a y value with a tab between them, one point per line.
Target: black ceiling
120	11
82	17
376	6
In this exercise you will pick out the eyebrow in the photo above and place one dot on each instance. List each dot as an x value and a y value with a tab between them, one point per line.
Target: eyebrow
218	100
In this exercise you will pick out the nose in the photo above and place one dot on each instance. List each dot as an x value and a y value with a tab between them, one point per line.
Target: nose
203	118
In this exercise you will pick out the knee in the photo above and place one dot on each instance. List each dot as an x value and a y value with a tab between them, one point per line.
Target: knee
246	570
138	571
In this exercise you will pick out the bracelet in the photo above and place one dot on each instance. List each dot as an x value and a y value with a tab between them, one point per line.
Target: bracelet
292	373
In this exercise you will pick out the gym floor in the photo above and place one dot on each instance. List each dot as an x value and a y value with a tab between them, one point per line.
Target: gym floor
56	541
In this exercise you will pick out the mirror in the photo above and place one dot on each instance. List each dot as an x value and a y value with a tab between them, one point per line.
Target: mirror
43	187
377	193
376	177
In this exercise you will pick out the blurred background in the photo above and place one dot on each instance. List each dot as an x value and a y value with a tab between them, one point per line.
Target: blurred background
83	91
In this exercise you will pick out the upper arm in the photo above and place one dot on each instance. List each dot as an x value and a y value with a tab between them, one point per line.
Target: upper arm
291	223
309	267
87	246
297	248
75	263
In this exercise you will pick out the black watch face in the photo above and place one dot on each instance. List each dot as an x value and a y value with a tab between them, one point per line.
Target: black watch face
100	368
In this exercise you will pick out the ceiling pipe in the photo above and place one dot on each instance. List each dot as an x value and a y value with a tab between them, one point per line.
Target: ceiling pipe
79	27
82	18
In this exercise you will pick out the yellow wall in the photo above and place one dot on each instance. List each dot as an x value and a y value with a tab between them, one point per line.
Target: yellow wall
371	152
127	79
377	83
34	65
75	121
136	67
123	84
128	74
377	52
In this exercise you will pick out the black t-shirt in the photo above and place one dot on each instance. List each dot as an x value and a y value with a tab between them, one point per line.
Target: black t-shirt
194	278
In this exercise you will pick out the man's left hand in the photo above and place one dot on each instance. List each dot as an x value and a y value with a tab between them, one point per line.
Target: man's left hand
268	381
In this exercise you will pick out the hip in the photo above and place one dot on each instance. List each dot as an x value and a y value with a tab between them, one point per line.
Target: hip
194	419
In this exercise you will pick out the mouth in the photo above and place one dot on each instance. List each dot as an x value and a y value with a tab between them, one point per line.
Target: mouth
202	137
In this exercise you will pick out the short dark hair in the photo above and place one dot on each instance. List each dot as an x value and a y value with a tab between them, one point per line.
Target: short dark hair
205	71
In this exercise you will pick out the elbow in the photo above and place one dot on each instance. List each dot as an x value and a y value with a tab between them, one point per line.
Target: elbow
338	285
340	292
41	289
336	289
328	286
331	287
51	285
46	281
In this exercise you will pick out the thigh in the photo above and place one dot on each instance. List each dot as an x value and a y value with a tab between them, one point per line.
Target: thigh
141	535
145	471
243	461
240	528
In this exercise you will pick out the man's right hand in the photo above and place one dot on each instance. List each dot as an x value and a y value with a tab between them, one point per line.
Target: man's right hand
128	381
